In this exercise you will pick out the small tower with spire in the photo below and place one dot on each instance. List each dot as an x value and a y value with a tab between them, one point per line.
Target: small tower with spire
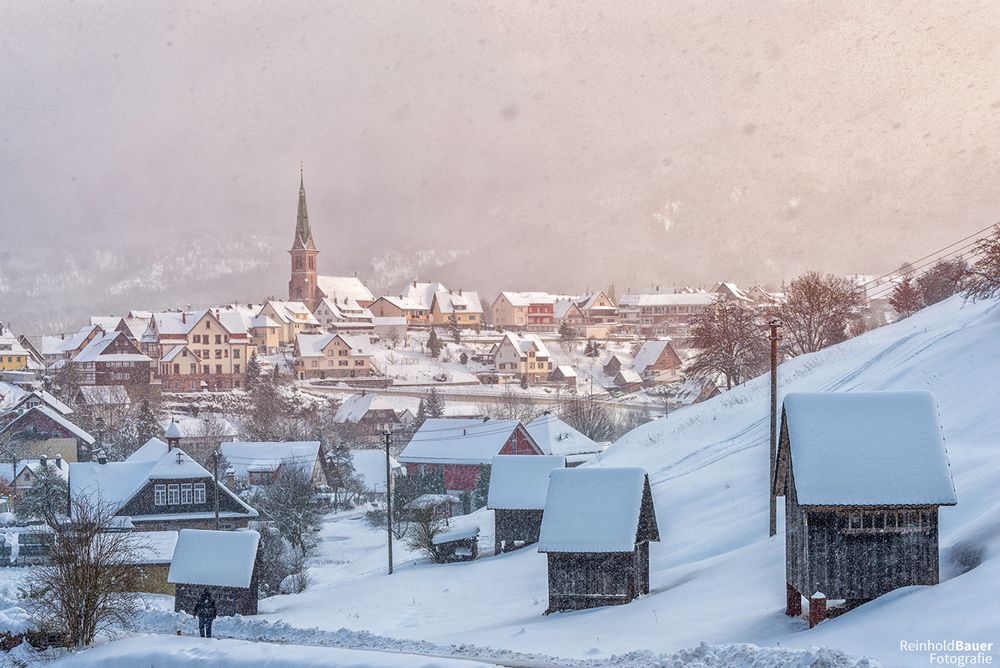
302	284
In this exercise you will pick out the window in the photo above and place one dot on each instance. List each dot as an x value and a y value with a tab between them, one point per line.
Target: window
218	339
196	338
887	521
236	353
160	495
218	354
173	494
199	492
218	368
186	493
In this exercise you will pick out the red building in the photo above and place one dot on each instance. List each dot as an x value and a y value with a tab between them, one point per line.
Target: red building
459	447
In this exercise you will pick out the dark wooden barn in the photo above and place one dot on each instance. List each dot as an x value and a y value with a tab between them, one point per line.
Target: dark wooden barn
596	531
863	475
223	562
518	486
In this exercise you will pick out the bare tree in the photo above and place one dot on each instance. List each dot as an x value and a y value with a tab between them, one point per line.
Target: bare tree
510	405
425	526
591	418
942	280
984	276
906	298
818	311
730	338
89	584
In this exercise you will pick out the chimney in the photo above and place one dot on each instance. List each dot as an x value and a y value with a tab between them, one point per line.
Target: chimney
184	317
460	292
230	478
102	458
414	282
58	461
62	335
43	460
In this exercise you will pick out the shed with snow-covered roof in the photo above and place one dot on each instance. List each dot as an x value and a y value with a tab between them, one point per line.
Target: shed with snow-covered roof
596	531
222	562
460	447
863	475
518	487
258	463
556	437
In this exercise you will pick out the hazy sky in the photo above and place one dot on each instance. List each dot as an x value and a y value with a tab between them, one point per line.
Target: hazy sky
555	145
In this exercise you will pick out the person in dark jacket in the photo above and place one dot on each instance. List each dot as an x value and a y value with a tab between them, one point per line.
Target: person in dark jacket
204	610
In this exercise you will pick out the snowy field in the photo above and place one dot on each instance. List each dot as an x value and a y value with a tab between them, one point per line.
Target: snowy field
716	577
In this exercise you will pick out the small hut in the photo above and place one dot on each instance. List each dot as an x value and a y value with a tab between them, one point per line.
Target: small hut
223	562
627	380
596	532
863	475
457	544
518	486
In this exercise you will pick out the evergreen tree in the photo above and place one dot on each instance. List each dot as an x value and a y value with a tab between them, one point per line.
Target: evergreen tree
434	408
592	349
421	415
253	373
454	329
566	333
906	298
481	492
464	357
145	423
434	344
524	381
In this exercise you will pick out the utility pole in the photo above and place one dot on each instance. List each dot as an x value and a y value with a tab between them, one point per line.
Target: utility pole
388	496
215	462
773	337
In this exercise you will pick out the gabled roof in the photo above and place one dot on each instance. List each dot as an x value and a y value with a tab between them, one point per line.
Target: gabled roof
627	377
313	345
555	437
459	441
523	344
670	299
422	293
291	312
562	307
95	395
648	354
521	482
369	466
56	417
528	298
152	450
246	454
345	309
466	301
597	510
867	449
13	397
356	406
115	483
338	287
176	351
95	351
214	558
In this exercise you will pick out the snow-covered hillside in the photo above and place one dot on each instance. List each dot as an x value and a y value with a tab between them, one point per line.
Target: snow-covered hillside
716	576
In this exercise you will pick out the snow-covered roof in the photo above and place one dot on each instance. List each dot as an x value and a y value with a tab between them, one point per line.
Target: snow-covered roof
115	483
566	371
338	287
151	450
262	320
592	510
425	501
867	449
291	312
13	396
244	455
313	345
670	299
458	441
369	466
59	419
555	437
422	293
648	354
214	558
524	344
389	321
528	298
104	395
627	377
33	465
465	301
95	351
175	351
521	482
451	535
356	406
153	547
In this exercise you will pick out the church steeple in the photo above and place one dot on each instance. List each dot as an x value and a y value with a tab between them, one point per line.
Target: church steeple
303	233
302	283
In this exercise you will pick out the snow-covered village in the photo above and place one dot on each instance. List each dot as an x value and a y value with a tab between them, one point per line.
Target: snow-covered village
498	334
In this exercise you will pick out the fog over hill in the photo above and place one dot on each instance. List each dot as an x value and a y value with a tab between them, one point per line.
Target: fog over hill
151	152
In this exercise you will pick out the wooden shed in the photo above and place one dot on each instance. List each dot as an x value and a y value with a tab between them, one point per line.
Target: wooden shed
863	475
518	486
223	562
596	531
